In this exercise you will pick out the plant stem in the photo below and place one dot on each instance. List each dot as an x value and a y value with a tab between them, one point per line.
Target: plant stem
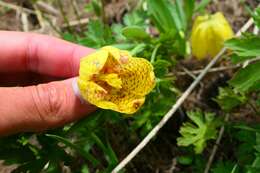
138	48
155	52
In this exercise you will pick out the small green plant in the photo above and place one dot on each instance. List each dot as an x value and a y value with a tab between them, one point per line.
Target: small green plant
203	128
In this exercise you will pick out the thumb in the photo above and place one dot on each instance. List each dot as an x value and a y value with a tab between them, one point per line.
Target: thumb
36	108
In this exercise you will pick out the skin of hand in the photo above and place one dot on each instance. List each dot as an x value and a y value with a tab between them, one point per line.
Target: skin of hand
36	74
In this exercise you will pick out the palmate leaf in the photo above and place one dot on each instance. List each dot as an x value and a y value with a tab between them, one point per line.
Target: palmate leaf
228	99
246	47
247	79
203	128
97	35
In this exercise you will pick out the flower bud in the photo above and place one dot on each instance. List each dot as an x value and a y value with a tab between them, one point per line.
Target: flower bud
209	33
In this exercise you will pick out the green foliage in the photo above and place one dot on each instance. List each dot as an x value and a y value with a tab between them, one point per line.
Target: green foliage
223	167
171	19
135	32
32	157
94	6
185	160
136	18
202	5
203	128
248	151
97	35
247	79
246	46
228	99
245	82
256	17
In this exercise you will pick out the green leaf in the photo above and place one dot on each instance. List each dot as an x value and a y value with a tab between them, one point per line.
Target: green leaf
179	15
80	151
234	169
246	135
203	128
228	99
137	49
34	166
185	160
202	5
255	167
247	79
85	169
97	35
124	46
110	155
12	151
161	67
53	167
246	46
223	167
94	6
117	32
135	33
189	7
135	18
162	15
247	128
69	37
256	17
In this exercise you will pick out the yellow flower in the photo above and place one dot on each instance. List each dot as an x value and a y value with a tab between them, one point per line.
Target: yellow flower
112	79
208	35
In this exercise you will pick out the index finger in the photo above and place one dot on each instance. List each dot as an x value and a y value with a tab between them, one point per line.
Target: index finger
39	53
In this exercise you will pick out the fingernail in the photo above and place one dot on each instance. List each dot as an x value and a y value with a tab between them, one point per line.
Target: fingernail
77	91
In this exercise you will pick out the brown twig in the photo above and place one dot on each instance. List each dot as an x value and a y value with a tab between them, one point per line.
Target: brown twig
76	22
52	25
65	18
47	8
25	23
16	7
215	148
39	16
216	69
76	11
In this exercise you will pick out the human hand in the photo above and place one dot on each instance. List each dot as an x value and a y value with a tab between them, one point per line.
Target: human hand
25	57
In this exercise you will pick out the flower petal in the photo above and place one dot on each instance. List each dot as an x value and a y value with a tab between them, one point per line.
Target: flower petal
137	76
92	64
124	102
